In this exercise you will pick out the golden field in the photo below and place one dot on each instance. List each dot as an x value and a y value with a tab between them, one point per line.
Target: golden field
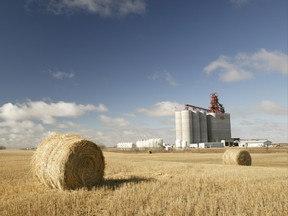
174	183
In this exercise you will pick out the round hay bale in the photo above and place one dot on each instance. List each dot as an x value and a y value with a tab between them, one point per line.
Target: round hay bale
67	161
237	157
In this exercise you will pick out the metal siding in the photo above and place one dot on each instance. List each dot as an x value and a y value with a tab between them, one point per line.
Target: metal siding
195	126
212	127
203	126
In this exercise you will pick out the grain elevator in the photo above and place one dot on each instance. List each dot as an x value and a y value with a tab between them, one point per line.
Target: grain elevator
196	125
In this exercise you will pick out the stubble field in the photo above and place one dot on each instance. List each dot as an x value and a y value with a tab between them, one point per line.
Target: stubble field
181	183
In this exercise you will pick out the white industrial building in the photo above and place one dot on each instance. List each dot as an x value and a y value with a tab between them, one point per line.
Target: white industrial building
150	143
125	145
254	143
212	145
142	144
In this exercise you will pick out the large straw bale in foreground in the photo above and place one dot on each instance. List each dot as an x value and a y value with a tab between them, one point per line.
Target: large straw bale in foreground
237	157
67	161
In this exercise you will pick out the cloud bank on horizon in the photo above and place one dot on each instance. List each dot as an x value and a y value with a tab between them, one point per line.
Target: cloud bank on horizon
22	121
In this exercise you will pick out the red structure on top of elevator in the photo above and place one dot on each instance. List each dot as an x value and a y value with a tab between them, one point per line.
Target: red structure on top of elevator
215	106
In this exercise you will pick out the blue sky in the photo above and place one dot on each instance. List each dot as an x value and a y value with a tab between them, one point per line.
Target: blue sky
114	71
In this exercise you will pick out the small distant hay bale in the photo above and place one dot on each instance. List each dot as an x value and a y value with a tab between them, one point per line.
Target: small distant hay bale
237	157
67	161
150	152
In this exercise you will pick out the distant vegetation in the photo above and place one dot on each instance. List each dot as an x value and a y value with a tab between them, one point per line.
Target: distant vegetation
32	148
2	147
101	146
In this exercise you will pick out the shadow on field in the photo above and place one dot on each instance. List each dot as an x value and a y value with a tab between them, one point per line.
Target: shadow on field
116	183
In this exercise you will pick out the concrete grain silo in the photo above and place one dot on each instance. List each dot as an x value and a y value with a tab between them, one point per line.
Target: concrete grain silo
184	144
186	126
212	127
199	125
178	143
203	126
195	127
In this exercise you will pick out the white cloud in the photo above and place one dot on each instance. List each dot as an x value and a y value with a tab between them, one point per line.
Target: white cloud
27	127
101	108
19	134
166	76
170	79
163	108
170	121
244	65
132	115
67	124
229	72
235	75
273	62
113	122
271	108
261	129
102	7
130	6
25	124
254	123
45	112
62	75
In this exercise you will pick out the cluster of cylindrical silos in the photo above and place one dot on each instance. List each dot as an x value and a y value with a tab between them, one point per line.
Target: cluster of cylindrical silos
125	145
199	126
150	143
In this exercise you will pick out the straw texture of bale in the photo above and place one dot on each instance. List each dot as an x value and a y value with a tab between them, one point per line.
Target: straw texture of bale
237	157
67	161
